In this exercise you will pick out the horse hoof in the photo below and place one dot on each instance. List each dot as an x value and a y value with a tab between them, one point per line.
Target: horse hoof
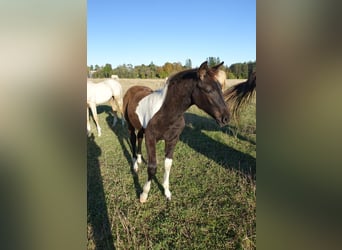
135	165
143	198
168	195
139	159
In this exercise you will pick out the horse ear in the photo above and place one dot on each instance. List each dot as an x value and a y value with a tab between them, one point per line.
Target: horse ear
202	71
216	67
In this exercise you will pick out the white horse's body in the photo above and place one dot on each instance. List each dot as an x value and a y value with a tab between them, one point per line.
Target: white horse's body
102	92
222	79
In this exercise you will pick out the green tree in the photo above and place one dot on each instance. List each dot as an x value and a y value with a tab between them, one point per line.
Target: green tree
107	70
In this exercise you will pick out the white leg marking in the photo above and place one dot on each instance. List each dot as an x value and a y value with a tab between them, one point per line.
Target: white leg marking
144	194
167	164
98	130
139	158
135	165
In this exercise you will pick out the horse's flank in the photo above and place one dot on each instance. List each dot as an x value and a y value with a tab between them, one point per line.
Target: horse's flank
222	79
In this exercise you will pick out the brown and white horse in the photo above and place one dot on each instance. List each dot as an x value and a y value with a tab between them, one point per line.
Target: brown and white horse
159	115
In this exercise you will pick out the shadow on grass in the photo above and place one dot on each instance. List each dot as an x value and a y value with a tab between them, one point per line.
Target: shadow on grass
121	133
204	123
221	153
96	203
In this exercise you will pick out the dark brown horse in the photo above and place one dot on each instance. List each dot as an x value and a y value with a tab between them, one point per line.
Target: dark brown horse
159	115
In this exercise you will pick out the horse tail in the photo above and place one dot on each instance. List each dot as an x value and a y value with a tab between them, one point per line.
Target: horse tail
241	94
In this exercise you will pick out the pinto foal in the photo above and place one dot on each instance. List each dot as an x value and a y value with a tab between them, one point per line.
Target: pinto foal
160	115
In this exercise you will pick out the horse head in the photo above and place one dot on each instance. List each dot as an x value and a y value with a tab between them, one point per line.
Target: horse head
207	94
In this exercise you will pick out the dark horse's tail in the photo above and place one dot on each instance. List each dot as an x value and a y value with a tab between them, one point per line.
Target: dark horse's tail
240	94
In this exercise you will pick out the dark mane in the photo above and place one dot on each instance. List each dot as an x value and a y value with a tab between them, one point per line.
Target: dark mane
188	74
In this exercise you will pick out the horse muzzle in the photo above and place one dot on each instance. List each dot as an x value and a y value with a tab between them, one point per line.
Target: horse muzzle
223	120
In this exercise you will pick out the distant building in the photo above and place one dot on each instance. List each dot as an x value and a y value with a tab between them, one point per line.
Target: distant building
91	72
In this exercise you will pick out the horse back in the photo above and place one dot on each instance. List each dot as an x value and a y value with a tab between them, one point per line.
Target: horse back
130	102
98	93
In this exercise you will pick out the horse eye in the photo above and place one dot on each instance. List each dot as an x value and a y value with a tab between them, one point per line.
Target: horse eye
208	90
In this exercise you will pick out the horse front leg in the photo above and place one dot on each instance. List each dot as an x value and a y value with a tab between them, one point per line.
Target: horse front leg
170	143
169	149
88	123
152	165
93	110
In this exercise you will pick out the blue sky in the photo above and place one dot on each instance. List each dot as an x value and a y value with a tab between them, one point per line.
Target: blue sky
140	32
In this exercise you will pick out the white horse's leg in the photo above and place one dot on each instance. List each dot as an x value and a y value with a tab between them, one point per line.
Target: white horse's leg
115	119
120	104
88	123
93	110
167	164
117	100
114	110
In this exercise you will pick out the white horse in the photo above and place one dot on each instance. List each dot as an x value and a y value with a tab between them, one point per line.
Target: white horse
102	92
222	79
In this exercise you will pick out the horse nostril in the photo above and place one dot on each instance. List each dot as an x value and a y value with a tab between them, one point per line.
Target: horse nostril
225	119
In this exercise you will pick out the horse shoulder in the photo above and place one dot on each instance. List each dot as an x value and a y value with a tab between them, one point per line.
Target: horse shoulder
131	100
149	105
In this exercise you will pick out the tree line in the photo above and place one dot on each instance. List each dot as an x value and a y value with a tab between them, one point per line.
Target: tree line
234	71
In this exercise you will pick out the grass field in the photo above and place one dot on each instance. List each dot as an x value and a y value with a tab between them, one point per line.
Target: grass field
212	181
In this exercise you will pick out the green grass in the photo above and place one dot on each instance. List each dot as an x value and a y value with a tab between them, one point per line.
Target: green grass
212	181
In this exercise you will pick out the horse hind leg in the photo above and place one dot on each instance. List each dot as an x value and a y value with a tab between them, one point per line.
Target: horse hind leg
140	139
133	140
151	168
114	111
116	103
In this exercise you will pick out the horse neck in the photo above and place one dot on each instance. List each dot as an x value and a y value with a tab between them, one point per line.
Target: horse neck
178	99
